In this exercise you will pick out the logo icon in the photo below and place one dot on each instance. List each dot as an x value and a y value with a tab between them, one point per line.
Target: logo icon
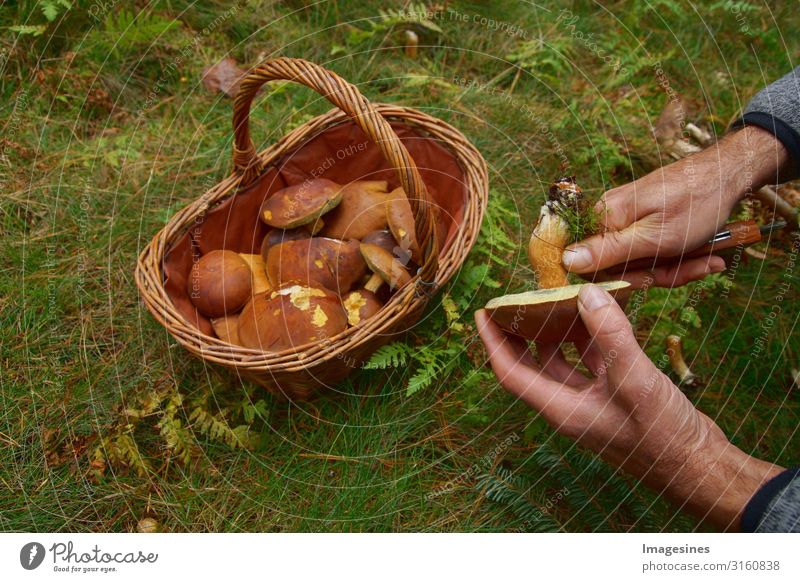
31	555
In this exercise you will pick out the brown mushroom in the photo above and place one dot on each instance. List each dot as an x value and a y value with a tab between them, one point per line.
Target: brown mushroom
550	314
277	236
313	228
226	328
300	204
291	316
259	270
382	238
362	210
385	268
679	365
360	304
334	264
220	283
546	246
412	43
400	219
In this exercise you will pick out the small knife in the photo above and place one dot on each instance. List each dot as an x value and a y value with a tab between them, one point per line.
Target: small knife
741	233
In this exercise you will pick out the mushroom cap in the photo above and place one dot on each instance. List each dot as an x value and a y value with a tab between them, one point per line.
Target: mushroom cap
226	328
300	204
381	238
548	315
362	210
360	304
382	263
334	264
220	283
259	269
277	236
400	219
291	316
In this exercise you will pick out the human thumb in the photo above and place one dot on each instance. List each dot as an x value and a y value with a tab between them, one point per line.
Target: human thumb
605	250
624	362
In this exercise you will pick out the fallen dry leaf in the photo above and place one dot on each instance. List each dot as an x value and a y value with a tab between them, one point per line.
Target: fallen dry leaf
669	129
223	77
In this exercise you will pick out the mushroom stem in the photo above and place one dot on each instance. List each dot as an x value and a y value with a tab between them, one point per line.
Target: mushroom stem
412	43
374	283
546	247
679	366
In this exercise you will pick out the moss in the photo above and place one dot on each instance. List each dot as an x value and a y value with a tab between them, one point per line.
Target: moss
567	200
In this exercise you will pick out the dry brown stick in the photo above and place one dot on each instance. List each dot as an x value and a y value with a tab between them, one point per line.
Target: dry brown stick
769	198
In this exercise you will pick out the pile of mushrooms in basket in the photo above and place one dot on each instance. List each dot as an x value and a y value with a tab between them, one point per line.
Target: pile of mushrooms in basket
333	256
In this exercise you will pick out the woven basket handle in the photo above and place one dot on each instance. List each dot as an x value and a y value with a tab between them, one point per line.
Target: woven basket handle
347	98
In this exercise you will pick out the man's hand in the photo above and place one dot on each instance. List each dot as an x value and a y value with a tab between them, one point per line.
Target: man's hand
629	412
678	208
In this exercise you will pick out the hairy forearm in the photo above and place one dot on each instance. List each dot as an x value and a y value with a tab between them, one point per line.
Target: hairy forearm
747	159
715	484
740	163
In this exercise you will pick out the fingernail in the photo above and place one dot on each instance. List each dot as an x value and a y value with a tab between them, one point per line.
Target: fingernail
717	268
592	297
577	257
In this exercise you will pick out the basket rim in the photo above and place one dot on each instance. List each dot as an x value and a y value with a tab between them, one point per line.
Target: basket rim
403	304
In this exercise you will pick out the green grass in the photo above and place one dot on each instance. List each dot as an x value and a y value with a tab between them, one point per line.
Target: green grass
93	165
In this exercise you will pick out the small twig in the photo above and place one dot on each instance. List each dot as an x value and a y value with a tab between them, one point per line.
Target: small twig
514	82
768	197
701	136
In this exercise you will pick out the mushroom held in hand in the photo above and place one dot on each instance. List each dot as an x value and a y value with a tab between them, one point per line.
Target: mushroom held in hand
401	222
551	313
292	316
220	283
360	304
300	204
546	247
385	268
362	210
325	262
259	270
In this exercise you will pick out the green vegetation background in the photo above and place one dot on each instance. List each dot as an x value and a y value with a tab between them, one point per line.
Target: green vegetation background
105	420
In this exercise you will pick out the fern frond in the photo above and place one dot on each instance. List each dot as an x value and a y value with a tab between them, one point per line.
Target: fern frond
393	355
51	8
434	364
215	427
511	491
575	475
120	450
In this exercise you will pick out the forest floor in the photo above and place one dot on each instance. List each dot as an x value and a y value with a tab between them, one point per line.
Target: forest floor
108	130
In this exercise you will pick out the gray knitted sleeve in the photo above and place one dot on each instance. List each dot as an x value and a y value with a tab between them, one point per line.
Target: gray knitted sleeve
776	506
777	110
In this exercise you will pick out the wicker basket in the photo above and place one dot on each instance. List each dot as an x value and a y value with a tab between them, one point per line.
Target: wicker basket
448	218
